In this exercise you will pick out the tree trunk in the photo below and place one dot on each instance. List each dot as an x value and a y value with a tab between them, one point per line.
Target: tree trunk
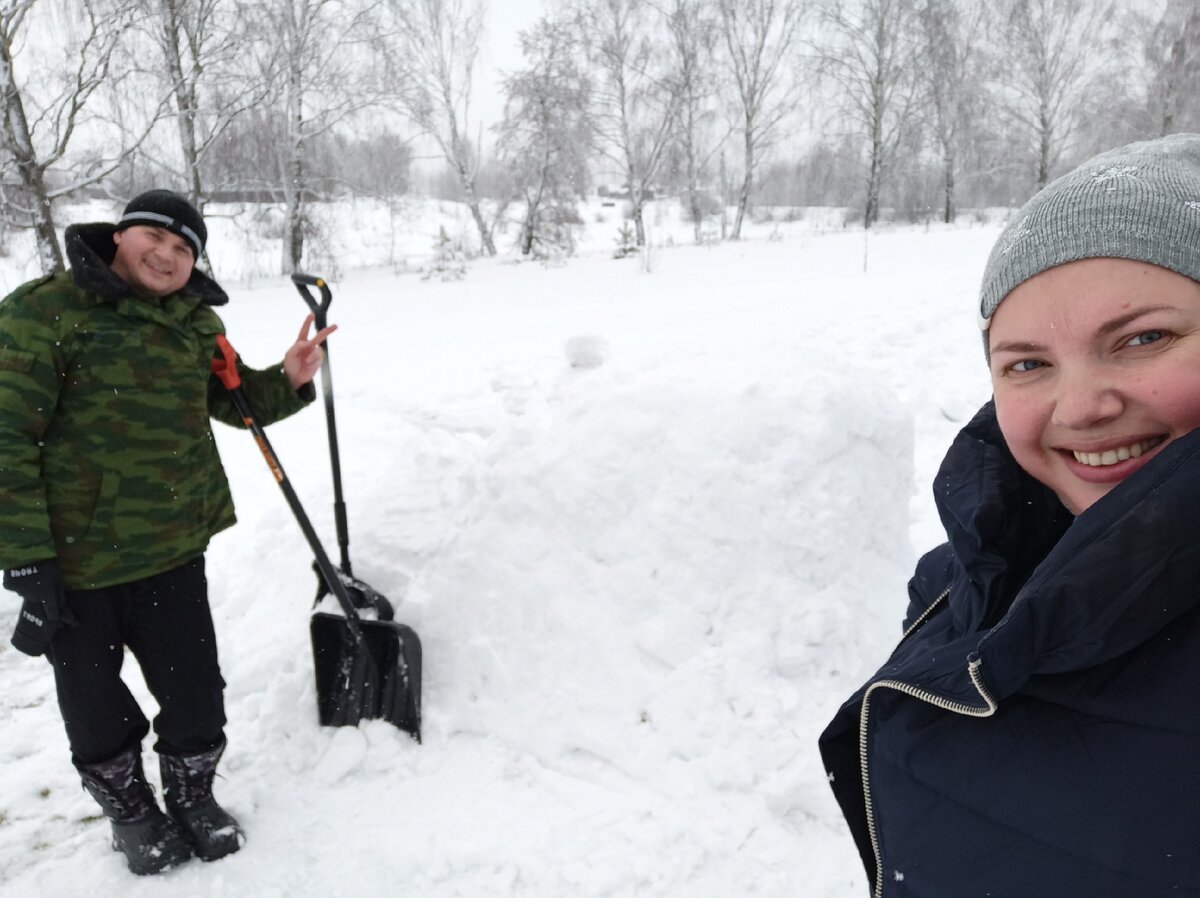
638	225
19	142
485	236
294	186
529	227
458	158
948	185
693	175
527	231
533	204
871	213
697	213
1044	148
468	186
724	175
747	182
295	216
693	189
184	92
1043	161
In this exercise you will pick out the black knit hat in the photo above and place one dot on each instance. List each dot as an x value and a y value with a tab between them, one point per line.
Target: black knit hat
164	209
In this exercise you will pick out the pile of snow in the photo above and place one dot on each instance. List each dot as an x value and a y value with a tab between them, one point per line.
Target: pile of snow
652	526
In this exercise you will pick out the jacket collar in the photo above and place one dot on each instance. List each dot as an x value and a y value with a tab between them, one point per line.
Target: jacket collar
999	521
1087	589
90	250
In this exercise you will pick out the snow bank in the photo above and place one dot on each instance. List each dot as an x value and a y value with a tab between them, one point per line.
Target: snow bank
635	599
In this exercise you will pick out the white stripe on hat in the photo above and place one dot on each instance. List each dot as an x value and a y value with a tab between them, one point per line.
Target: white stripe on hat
167	222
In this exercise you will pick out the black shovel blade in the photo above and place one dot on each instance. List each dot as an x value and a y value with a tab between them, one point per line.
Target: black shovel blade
377	678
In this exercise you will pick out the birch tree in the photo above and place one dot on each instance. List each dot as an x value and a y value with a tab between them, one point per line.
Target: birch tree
1171	62
432	48
49	102
315	55
695	33
872	58
202	45
760	37
1050	62
546	135
635	100
950	34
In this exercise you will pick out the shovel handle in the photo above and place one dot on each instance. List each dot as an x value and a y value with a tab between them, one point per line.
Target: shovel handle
224	366
303	283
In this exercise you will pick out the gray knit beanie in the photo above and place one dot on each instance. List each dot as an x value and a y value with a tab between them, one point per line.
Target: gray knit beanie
1139	202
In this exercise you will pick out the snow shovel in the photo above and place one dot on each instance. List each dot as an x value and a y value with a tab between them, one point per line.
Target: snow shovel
362	595
365	670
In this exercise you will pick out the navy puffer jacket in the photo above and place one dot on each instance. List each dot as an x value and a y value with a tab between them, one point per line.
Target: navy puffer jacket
1037	730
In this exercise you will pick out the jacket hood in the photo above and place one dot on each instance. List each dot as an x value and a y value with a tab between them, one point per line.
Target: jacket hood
90	250
1087	589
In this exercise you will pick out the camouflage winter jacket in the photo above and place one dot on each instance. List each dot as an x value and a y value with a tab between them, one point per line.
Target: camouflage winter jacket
106	457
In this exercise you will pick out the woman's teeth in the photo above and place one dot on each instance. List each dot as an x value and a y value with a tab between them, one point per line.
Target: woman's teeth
1112	456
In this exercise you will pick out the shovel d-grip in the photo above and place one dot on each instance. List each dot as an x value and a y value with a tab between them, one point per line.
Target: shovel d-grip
364	669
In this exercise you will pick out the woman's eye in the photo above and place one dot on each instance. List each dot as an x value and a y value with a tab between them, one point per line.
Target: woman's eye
1025	365
1145	338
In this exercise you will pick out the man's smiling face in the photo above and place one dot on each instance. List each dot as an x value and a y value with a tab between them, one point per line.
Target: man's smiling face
152	260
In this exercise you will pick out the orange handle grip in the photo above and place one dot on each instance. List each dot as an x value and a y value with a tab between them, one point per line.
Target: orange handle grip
225	364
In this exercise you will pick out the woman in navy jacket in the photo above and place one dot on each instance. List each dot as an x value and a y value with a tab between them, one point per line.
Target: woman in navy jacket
1036	731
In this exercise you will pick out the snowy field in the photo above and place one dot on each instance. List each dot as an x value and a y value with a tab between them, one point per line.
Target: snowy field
652	520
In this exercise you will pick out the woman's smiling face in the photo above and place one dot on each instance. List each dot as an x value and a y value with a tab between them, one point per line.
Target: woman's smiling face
1095	367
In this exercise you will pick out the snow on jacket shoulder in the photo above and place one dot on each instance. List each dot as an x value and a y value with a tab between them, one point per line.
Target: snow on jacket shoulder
1035	733
105	398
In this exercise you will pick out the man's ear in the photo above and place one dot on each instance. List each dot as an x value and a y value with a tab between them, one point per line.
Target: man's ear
117	237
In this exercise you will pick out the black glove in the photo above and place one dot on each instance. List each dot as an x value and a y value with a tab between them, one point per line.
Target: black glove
44	608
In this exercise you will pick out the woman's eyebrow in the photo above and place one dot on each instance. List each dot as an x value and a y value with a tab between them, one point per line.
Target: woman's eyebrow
1113	324
1017	346
1121	320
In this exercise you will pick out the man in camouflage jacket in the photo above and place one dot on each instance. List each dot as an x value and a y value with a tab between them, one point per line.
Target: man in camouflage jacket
111	488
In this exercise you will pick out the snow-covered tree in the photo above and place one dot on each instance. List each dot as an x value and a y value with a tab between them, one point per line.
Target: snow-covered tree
760	39
546	135
1051	59
1171	62
694	27
447	263
950	36
431	50
872	56
635	100
49	103
202	45
314	56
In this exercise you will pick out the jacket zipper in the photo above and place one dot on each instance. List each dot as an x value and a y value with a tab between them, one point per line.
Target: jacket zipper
925	696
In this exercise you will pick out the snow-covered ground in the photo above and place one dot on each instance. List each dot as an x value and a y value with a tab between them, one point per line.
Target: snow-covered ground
652	520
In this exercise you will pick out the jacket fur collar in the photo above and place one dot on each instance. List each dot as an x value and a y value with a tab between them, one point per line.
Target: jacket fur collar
90	250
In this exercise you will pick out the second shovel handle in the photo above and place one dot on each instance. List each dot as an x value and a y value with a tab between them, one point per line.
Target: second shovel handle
303	283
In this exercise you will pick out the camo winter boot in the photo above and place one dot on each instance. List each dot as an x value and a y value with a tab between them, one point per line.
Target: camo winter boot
150	840
187	789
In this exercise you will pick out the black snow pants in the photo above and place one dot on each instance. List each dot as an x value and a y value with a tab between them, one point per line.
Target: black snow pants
166	623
